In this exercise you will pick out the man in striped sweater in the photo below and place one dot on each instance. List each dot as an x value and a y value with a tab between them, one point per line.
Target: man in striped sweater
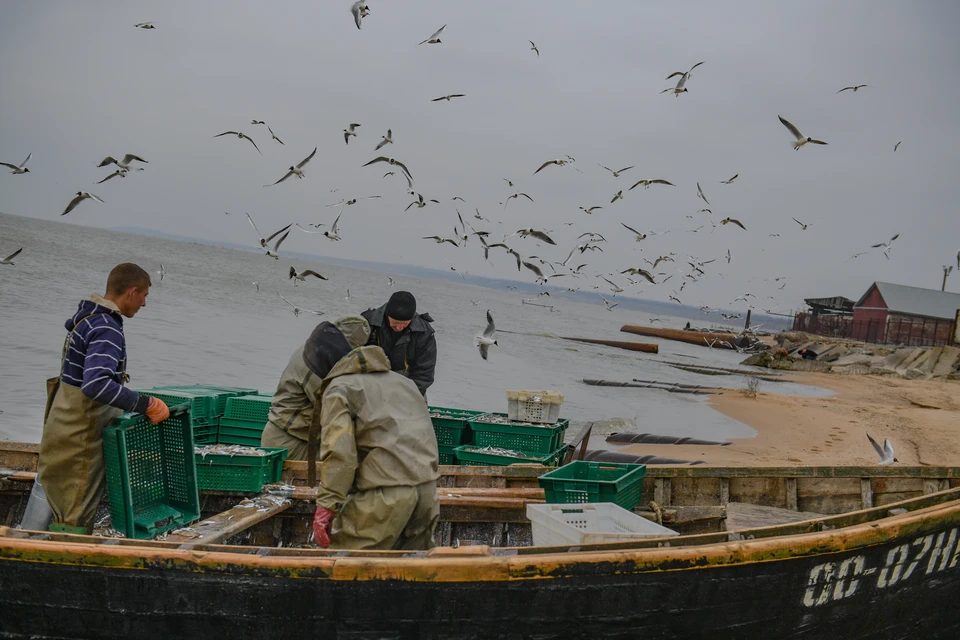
90	395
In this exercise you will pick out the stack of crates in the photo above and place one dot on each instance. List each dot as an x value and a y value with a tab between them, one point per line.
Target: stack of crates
203	408
246	472
243	420
452	429
541	443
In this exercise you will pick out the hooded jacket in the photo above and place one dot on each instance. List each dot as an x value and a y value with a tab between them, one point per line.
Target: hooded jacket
96	355
375	429
412	352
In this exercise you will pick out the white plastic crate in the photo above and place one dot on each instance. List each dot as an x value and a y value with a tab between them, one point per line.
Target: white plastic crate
534	406
571	524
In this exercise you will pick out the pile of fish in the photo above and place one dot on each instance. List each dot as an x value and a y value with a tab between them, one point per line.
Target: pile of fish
493	418
229	450
496	451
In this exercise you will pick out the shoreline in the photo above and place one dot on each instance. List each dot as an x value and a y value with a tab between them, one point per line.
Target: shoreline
920	417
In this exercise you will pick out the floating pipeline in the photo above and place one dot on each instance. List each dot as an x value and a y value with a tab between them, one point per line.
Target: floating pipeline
620	344
652	438
701	338
662	386
602	455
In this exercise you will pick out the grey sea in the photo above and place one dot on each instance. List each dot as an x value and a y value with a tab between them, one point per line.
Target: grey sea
206	322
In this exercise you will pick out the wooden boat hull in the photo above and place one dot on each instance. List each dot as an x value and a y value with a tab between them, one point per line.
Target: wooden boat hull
701	338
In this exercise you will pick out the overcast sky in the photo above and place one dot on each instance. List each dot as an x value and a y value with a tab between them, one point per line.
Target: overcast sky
79	82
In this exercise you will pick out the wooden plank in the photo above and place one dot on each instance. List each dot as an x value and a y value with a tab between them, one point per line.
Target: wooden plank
227	524
724	491
758	490
790	491
694	491
747	516
891	471
866	493
933	486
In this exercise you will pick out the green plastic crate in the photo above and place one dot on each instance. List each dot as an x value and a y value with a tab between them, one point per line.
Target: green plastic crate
583	481
480	459
447	454
245	440
220	394
221	472
253	408
151	475
451	426
203	405
532	438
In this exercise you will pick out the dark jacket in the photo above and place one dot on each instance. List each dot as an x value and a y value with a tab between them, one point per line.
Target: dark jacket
412	352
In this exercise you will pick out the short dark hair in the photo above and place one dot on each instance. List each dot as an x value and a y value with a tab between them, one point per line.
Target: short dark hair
126	275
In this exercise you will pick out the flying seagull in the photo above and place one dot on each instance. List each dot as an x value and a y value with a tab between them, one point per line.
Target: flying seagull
258	122
144	25
516	195
273	253
449	96
387	139
887	246
802	226
296	170
240	135
296	308
119	172
162	272
646	183
885	452
123	164
640	272
897	145
590	210
685	74
9	258
533	47
539	235
733	221
332	234
800	138
609	305
855	88
391	161
440	240
351	131
639	236
274	136
360	11
77	199
559	163
532	267
18	169
677	90
617	196
616	174
265	242
700	194
485	339
435	38
302	275
730	181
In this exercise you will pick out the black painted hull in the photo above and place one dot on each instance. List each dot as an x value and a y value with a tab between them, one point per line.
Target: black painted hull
889	585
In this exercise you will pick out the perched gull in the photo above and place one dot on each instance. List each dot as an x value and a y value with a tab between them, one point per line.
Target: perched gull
802	226
77	199
855	88
351	131
9	258
119	172
616	174
332	234
533	47
539	235
18	169
265	242
387	139
359	10
733	221
449	96
646	183
700	194
302	275
276	247
800	138
123	164
887	246
639	236
435	38
392	162
274	136
730	181
885	452
485	339
298	309
297	170
240	135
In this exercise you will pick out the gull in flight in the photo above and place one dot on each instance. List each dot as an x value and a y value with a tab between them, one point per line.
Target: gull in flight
449	96
258	122
613	287
9	259
390	282
296	308
332	234
162	272
392	162
516	195
302	275
273	136
240	135
685	74
616	174
485	339
20	169
274	253
675	299
802	226
539	235
856	255
387	139
640	272
677	90
559	163
958	258
295	170
119	172
590	210
855	88
639	236
351	131
532	267
440	240
144	25
265	242
885	452
646	183
733	221
609	305
887	246
123	164
77	199
617	196
476	303
800	138
435	38
533	47
730	181
420	202
897	145
700	194
257	285
454	269
653	265
728	256
360	11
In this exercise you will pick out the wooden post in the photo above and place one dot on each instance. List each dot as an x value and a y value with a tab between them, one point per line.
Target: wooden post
746	325
866	493
790	485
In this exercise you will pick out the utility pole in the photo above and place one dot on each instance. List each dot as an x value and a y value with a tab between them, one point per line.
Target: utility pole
946	272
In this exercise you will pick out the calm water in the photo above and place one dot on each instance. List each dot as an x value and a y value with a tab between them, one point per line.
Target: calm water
206	322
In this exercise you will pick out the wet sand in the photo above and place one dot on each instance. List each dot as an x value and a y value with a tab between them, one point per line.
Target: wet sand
921	418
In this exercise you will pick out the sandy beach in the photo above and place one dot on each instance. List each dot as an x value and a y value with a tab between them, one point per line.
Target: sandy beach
921	418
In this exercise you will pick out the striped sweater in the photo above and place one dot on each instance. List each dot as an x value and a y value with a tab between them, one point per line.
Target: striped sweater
96	356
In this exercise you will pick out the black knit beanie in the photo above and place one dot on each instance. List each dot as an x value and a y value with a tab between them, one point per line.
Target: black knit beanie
324	348
401	306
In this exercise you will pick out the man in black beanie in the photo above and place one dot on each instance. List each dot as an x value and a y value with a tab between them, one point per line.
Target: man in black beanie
407	338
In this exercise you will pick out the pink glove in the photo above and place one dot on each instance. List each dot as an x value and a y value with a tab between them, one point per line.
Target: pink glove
157	411
322	523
